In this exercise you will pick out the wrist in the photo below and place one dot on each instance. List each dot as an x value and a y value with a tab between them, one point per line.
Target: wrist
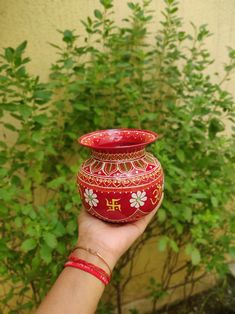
109	258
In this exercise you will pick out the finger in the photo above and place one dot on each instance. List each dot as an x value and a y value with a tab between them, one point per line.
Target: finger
86	216
81	214
142	223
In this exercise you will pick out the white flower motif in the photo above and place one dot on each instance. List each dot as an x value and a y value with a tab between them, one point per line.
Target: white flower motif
138	199
91	197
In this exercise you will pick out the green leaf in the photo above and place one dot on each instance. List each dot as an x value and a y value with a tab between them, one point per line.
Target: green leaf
215	127
194	253
174	246
69	37
9	107
59	104
71	227
68	64
3	249
231	53
41	119
36	137
107	4
25	111
50	239
21	72
39	155
161	215
10	127
3	79
162	244
57	182
3	159
179	228
188	214
98	14
60	229
26	209
25	60
188	249
15	180
214	201
18	222
180	155
42	96
81	107
21	48
232	224
9	54
195	256
46	253
55	46
175	9
131	5
232	251
28	245
3	172
61	248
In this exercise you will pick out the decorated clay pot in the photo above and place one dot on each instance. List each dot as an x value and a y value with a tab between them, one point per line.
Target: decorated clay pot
120	182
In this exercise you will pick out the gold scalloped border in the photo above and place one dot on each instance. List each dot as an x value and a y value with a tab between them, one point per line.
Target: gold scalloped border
102	156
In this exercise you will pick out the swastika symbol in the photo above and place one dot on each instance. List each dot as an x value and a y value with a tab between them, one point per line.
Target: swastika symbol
113	205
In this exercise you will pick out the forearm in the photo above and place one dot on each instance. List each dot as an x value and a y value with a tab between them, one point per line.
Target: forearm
75	291
78	292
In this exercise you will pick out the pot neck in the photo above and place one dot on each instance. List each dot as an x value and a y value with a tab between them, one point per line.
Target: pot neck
119	155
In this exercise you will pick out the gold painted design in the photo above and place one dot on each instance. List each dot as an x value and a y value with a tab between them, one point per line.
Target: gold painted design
150	159
156	194
96	166
140	164
104	182
80	191
118	156
133	217
110	168
113	205
135	181
122	174
125	167
127	219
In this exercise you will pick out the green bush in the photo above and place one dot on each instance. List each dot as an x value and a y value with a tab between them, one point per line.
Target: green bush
114	77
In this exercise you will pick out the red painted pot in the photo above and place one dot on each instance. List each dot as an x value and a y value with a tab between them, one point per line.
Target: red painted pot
120	182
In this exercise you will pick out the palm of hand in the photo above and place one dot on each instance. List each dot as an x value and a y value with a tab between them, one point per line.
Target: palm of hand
112	239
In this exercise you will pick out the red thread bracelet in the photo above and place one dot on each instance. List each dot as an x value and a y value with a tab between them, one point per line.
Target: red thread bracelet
91	269
78	260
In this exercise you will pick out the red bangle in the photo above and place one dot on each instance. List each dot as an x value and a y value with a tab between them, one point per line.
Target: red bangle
75	259
89	268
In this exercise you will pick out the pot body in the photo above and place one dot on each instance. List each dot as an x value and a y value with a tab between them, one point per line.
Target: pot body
121	185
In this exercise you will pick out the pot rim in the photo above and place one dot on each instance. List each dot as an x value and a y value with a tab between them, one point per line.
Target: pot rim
149	137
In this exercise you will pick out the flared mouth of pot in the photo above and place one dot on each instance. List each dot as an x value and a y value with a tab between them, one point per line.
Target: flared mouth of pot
118	139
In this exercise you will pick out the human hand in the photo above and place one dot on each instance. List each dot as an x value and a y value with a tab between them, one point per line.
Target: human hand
110	240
